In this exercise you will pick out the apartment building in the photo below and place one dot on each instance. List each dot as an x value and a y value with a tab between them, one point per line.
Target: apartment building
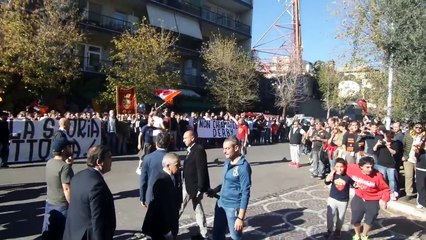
194	21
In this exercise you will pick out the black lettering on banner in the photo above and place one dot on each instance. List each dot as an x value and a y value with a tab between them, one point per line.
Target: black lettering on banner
44	144
76	150
228	132
18	146
214	133
73	127
204	123
31	152
95	128
48	128
223	133
81	127
28	130
91	145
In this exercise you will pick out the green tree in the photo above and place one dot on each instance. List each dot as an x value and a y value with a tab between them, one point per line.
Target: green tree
233	82
143	58
38	49
391	33
328	80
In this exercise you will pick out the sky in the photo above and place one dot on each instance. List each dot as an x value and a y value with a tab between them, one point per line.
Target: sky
318	27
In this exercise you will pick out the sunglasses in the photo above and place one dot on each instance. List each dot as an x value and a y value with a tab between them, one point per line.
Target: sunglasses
417	127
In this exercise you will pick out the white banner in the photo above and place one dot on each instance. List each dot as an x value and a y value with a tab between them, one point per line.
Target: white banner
32	140
216	128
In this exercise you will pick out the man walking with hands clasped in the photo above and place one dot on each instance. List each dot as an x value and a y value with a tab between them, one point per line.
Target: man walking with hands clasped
196	179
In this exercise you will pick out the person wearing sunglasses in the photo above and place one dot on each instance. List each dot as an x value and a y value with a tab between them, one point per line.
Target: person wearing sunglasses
410	142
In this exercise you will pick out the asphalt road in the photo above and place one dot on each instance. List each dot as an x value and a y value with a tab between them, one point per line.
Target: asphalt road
286	203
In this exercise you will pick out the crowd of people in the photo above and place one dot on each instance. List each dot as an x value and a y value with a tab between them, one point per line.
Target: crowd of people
344	153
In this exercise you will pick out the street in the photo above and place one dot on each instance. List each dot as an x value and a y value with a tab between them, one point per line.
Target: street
286	203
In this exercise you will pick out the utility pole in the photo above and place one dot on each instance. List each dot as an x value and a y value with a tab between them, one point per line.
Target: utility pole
388	117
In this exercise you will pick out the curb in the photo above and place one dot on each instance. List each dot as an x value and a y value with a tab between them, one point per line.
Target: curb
407	210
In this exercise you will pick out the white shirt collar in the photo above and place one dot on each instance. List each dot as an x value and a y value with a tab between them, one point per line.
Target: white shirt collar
97	170
189	148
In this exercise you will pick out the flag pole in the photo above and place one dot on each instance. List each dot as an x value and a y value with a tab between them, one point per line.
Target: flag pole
161	105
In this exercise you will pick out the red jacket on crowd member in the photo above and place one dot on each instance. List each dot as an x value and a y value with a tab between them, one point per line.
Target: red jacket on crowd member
242	132
369	187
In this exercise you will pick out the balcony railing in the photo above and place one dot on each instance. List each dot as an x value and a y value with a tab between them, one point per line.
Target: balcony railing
97	20
249	2
208	15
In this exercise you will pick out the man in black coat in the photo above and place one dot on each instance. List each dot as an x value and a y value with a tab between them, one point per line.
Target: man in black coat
91	213
162	218
4	139
196	179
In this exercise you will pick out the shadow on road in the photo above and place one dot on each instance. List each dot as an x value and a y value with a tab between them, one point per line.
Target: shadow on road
272	224
20	192
22	219
126	194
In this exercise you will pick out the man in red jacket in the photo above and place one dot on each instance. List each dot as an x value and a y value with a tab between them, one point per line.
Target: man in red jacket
371	193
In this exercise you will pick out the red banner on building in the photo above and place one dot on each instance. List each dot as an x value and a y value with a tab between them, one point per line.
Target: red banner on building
126	100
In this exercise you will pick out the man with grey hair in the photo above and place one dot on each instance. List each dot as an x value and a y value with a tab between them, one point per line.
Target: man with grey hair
162	218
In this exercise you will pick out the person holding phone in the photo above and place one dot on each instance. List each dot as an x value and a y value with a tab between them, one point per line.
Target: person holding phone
337	201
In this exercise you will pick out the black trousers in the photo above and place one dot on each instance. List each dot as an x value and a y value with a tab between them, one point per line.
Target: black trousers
4	153
421	187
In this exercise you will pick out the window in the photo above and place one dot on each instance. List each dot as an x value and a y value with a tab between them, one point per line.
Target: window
92	58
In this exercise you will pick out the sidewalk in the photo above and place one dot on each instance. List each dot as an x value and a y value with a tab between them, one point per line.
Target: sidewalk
407	209
300	214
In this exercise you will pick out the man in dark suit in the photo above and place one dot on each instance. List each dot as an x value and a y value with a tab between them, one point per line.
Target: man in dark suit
162	218
4	139
151	166
196	179
91	213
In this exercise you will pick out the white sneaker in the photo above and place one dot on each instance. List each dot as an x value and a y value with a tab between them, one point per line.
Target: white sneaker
311	169
419	206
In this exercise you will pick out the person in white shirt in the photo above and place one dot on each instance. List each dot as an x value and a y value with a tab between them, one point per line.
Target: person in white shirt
295	137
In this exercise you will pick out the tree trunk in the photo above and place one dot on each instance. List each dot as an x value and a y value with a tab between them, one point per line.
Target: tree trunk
284	111
328	112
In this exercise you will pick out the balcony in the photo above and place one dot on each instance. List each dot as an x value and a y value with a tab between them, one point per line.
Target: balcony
96	20
207	15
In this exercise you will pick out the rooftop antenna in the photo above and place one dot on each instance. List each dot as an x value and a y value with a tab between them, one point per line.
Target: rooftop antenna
282	40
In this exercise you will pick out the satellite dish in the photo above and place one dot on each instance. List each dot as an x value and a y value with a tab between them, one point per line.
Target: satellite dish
348	89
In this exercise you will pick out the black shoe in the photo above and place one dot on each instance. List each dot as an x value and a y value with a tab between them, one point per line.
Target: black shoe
336	234
314	176
327	234
4	166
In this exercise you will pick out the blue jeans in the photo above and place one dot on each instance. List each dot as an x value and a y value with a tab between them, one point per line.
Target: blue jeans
389	174
224	217
54	221
317	164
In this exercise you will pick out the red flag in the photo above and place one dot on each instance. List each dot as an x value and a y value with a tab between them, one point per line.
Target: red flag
363	104
126	100
167	94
